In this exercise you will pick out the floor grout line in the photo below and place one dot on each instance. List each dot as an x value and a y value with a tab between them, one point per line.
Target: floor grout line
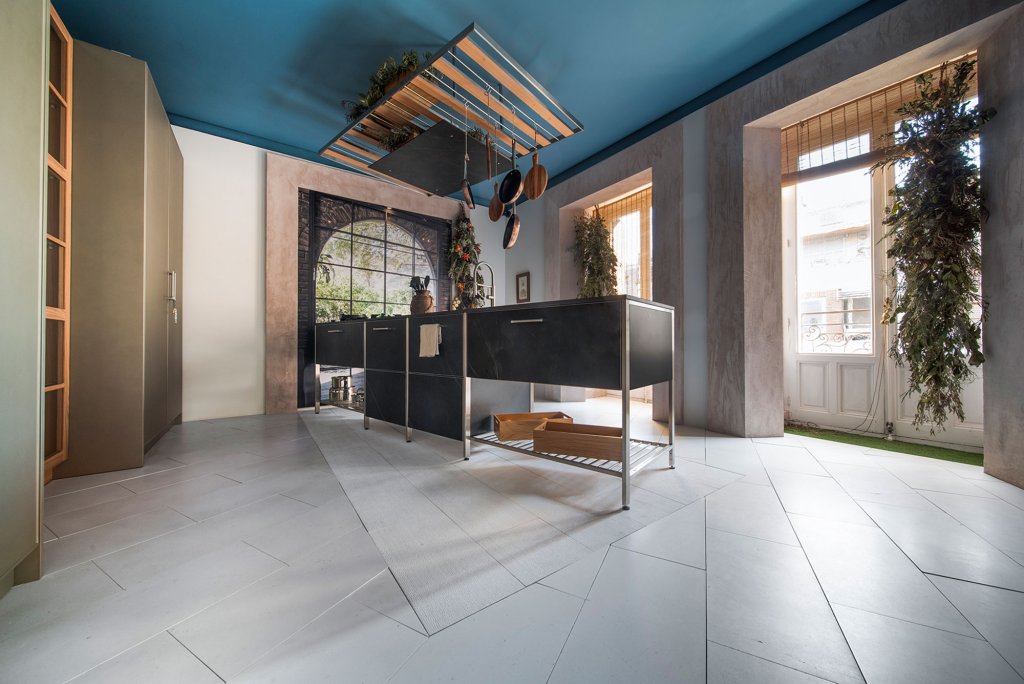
168	632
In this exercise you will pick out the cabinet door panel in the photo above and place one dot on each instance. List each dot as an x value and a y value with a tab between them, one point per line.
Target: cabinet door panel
435	405
385	396
340	344
574	344
385	344
449	361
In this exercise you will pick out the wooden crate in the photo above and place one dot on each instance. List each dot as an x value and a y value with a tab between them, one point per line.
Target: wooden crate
591	441
513	426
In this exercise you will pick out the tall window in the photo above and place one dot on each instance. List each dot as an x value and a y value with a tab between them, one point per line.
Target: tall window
833	229
629	221
367	256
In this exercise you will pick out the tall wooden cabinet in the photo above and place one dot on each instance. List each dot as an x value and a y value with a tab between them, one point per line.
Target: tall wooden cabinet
127	211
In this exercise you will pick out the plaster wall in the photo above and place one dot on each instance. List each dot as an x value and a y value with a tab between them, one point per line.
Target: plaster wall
1001	82
223	320
285	175
744	236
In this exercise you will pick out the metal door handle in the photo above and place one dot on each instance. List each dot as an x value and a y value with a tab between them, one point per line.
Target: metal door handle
381	328
527	320
334	332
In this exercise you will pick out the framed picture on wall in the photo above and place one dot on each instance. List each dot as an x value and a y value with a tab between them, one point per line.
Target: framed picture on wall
522	287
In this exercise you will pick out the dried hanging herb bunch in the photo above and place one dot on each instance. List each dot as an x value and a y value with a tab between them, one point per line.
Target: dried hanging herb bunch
934	225
596	263
463	256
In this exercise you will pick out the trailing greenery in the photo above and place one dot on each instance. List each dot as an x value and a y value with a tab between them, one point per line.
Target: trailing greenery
397	137
934	225
463	256
927	450
595	259
387	74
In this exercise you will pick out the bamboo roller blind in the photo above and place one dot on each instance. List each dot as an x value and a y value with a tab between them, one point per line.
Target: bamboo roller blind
629	222
855	129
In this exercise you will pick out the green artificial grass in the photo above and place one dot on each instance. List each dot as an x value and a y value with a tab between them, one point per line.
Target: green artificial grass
940	453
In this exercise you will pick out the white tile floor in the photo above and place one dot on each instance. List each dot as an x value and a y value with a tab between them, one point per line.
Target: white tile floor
301	548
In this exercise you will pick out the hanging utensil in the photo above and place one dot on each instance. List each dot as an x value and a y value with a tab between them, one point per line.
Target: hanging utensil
496	207
537	179
467	191
487	145
511	229
512	183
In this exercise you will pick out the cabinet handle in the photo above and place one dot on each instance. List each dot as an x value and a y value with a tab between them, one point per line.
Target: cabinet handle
527	320
335	332
381	328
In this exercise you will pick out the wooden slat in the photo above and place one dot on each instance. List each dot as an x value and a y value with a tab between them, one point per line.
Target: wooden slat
416	105
359	135
355	148
496	71
57	168
496	105
422	85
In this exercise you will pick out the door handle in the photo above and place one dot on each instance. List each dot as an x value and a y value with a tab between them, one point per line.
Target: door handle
335	332
527	320
173	297
381	328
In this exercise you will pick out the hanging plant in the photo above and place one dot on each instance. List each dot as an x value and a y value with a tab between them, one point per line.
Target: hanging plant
463	256
387	75
397	137
595	259
934	224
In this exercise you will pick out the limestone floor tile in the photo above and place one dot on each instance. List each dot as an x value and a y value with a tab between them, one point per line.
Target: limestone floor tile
289	539
533	550
578	578
750	510
890	650
60	649
860	567
1004	490
65	503
940	545
819	497
230	635
788	459
99	541
154	464
517	639
158	660
174	496
922	473
834	452
217	465
764	599
383	595
56	594
746	463
729	666
997	613
643	622
347	643
995	520
687	483
202	508
860	480
48	534
678	537
138	564
316	493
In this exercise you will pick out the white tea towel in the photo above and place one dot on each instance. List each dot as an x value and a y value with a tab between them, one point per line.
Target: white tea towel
430	340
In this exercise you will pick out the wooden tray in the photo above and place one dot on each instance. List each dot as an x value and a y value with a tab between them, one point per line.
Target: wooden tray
591	441
513	426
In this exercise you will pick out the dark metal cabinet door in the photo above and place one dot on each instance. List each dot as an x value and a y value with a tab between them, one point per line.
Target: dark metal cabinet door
650	345
435	405
568	344
385	396
340	344
385	344
449	361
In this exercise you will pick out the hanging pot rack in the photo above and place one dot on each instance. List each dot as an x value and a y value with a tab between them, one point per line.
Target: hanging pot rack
471	84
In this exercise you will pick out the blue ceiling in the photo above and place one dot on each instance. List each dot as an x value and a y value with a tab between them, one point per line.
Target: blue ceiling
273	72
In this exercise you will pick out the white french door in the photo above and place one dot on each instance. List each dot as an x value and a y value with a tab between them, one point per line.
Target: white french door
837	370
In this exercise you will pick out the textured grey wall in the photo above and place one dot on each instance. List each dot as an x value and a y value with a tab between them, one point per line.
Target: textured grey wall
1001	80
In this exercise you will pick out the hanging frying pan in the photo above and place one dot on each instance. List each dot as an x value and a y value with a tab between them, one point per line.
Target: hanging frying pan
512	183
511	230
495	208
467	191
